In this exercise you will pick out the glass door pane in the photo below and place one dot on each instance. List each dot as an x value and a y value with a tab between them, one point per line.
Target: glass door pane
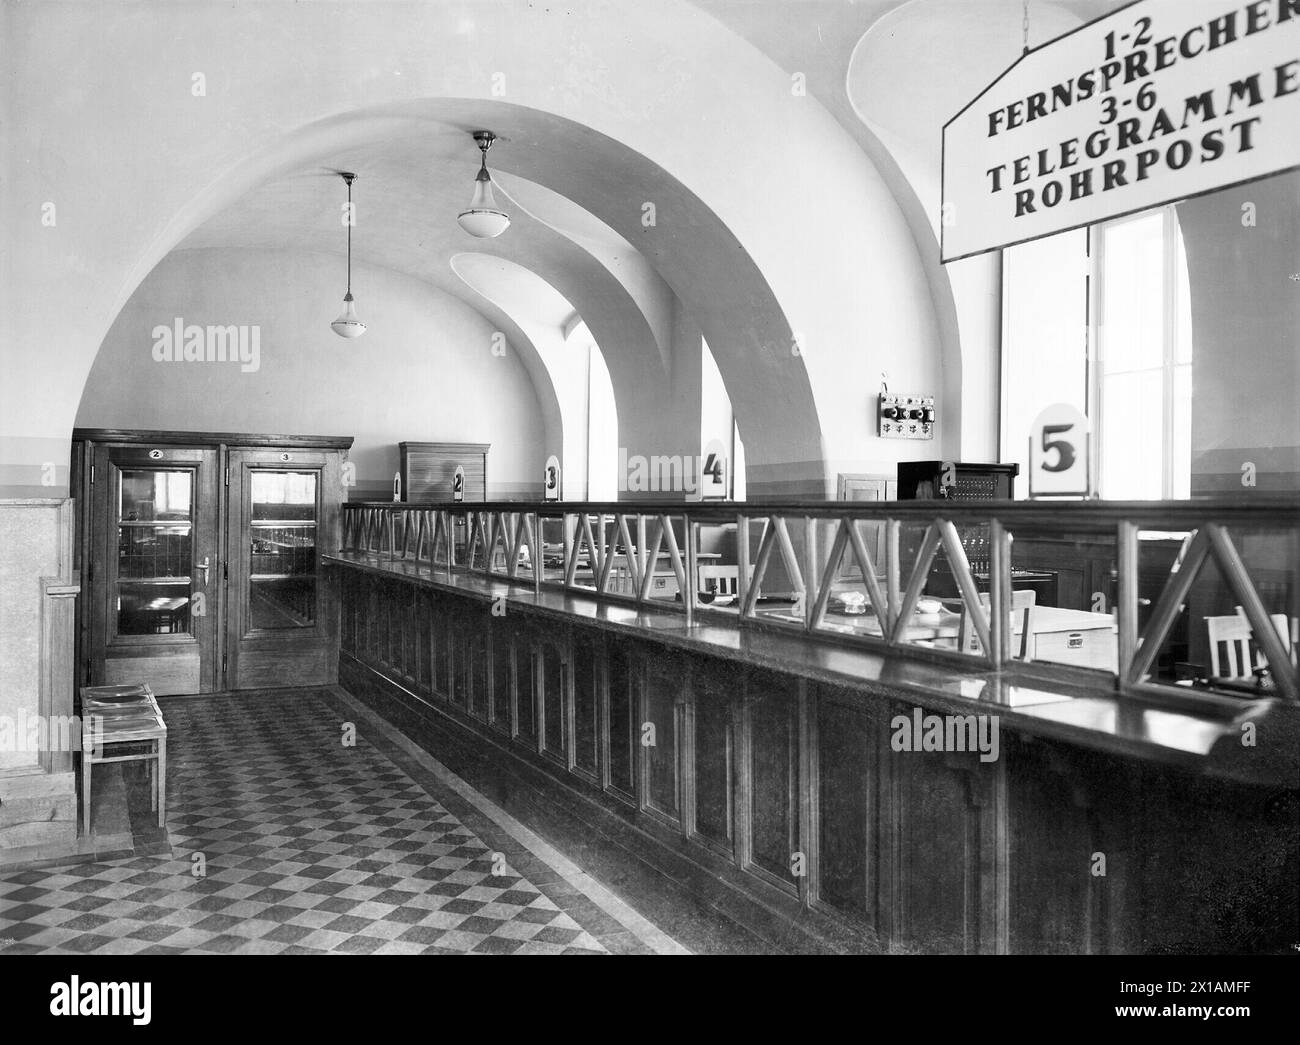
282	573
155	532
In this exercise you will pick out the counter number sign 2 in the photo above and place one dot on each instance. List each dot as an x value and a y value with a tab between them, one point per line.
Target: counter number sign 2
1059	450
551	482
458	484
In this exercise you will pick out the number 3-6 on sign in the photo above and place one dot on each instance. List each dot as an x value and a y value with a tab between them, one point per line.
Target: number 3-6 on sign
1058	453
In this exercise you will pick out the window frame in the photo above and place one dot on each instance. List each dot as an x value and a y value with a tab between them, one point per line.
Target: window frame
1173	276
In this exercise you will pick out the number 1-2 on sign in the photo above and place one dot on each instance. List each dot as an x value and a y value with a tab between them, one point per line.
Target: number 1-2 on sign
1059	464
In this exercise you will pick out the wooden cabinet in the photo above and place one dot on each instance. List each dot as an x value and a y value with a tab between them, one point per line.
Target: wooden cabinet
428	470
201	554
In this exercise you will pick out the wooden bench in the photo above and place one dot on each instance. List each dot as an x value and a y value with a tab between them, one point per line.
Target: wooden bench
115	715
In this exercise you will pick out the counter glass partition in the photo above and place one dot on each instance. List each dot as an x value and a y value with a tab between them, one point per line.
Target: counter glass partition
1124	593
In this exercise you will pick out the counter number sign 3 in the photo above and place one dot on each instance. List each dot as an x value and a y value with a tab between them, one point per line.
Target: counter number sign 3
1059	452
458	484
551	482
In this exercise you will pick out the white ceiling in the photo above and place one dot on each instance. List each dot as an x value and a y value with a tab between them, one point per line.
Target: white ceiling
409	189
410	186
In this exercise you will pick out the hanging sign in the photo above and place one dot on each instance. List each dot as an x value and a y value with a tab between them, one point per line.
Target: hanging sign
1059	450
458	484
551	482
1158	101
713	471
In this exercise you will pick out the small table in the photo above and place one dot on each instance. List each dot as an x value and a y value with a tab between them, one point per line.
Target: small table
112	715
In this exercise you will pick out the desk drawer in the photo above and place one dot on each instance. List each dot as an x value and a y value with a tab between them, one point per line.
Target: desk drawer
1093	648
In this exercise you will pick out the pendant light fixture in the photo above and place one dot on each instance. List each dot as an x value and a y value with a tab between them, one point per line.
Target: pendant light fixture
347	325
484	218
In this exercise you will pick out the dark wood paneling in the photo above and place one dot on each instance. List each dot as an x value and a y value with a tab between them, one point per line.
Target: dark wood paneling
714	689
623	730
440	640
772	733
423	645
503	678
479	692
553	671
459	638
847	802
525	688
663	688
1051	904
587	674
909	851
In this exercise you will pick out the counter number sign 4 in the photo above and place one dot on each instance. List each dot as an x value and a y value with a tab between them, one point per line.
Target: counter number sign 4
458	484
713	472
1059	453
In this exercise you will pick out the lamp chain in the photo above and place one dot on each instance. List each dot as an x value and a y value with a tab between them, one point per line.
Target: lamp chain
1024	25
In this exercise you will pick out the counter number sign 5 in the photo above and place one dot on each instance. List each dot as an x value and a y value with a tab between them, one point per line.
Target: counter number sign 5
1059	453
458	484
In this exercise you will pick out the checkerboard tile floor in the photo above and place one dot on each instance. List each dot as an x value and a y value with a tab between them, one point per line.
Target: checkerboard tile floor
284	840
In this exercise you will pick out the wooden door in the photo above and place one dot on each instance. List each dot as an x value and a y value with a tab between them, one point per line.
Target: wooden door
153	568
282	511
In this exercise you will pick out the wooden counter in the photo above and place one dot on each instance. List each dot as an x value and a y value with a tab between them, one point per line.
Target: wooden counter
772	761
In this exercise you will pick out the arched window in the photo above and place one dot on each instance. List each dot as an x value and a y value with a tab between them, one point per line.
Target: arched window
601	417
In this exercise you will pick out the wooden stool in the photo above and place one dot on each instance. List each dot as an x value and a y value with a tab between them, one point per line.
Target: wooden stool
112	715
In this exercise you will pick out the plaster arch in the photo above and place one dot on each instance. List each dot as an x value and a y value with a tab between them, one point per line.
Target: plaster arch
912	69
658	104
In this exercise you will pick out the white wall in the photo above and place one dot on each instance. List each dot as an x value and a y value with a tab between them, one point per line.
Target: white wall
424	370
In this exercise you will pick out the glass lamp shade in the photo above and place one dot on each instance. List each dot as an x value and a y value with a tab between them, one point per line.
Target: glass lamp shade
484	218
347	325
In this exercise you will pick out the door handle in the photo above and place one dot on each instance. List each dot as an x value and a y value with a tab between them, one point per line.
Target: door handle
204	567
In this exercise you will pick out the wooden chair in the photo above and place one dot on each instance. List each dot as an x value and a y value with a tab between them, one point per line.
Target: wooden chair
1286	631
1233	634
718	582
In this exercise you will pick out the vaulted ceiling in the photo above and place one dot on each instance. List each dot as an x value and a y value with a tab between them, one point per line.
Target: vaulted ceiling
410	188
